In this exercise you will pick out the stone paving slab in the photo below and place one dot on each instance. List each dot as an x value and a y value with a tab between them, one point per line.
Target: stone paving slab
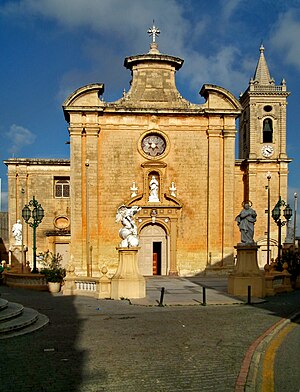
182	291
112	346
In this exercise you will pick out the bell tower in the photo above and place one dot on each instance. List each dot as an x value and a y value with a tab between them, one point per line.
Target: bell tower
262	139
263	120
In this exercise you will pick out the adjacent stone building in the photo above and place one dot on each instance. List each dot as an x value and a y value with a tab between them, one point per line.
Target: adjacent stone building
175	159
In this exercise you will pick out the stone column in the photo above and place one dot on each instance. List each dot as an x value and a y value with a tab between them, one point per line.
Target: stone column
215	191
228	192
78	225
173	248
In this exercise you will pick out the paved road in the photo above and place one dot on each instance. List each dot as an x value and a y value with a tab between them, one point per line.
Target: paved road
287	361
112	346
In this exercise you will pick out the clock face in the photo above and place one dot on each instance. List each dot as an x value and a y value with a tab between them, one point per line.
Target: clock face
267	151
153	145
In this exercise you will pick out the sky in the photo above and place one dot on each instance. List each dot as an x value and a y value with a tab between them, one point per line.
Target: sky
49	48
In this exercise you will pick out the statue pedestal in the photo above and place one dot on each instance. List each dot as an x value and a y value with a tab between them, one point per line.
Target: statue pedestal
247	273
127	282
17	259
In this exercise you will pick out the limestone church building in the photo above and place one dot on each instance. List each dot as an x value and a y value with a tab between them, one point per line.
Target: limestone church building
153	133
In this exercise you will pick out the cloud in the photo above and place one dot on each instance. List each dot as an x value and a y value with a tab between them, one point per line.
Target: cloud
285	37
229	7
219	68
125	22
124	19
4	201
20	138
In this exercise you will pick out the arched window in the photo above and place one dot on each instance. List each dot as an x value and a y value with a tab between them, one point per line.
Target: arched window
62	188
268	131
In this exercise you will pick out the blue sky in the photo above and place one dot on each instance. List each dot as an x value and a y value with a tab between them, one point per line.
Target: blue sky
49	48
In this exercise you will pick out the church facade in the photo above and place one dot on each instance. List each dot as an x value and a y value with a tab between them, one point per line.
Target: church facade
174	159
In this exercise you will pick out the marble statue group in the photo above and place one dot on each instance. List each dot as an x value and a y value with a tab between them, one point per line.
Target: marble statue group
128	232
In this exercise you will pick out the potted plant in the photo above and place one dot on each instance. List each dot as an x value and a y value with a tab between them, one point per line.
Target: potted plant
53	270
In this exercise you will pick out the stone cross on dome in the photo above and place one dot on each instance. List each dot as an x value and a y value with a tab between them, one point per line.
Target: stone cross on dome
154	31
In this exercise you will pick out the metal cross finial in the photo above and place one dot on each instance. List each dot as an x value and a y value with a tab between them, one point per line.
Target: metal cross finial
154	31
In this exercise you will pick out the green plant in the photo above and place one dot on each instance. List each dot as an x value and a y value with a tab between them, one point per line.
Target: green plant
52	268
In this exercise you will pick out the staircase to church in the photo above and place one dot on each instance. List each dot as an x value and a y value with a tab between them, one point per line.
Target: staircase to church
17	320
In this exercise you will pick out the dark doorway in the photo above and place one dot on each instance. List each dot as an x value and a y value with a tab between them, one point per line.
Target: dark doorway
156	258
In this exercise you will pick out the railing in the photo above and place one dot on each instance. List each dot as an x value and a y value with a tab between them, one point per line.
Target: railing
88	286
270	88
277	282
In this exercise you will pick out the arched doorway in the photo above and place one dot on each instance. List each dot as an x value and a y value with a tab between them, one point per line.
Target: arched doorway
263	251
153	253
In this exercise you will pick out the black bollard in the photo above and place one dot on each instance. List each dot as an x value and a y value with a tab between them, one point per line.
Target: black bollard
249	295
162	293
204	296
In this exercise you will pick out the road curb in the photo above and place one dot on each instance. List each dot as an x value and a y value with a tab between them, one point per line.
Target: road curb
247	378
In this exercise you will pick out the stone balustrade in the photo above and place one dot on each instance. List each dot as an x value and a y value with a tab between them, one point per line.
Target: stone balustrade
87	286
277	282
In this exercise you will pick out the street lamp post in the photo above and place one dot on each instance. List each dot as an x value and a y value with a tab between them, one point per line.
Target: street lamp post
276	215
268	227
295	217
33	214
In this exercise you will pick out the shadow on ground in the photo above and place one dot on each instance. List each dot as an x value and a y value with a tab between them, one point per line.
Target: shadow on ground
48	359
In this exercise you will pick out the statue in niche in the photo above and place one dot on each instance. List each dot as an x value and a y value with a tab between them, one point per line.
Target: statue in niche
246	220
153	191
128	232
17	232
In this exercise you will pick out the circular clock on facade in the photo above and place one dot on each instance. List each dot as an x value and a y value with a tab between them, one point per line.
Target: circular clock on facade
267	151
153	145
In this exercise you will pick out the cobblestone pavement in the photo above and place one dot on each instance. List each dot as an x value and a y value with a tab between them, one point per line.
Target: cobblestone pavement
112	346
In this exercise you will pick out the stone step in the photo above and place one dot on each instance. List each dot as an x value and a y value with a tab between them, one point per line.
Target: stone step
40	322
27	321
3	303
28	316
12	310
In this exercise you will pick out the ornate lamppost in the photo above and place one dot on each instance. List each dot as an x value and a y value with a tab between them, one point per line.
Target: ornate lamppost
33	214
268	223
276	215
295	217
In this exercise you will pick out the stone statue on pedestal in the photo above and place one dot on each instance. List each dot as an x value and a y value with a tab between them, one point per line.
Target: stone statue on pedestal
17	232
128	232
246	220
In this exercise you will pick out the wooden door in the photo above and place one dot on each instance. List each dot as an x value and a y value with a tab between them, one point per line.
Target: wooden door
153	258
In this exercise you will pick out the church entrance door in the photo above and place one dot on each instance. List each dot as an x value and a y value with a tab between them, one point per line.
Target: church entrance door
153	251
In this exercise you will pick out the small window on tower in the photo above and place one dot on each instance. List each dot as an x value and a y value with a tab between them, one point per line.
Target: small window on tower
268	108
268	131
62	188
